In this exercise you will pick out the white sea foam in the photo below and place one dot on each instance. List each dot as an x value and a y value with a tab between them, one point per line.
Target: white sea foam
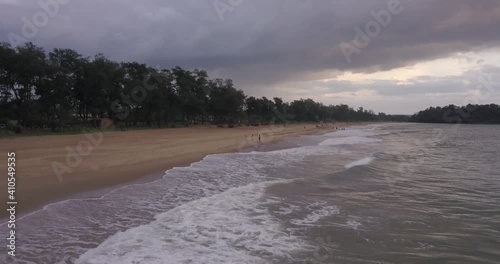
351	137
287	210
358	132
84	223
361	162
353	224
230	227
319	211
353	140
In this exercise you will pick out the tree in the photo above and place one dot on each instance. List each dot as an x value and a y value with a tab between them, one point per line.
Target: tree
225	102
469	114
29	68
7	80
192	90
63	87
58	87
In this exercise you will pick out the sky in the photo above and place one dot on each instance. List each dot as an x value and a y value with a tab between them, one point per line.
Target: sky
391	56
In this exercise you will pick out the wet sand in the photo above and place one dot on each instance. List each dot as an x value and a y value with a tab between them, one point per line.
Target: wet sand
89	162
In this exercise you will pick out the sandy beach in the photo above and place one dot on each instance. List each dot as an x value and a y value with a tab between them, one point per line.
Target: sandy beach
88	162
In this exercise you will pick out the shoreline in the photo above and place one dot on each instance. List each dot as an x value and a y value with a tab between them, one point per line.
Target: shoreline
111	166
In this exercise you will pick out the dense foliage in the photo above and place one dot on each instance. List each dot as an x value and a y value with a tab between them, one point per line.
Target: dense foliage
470	114
63	88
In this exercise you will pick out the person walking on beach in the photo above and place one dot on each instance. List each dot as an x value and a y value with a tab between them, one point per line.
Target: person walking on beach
259	138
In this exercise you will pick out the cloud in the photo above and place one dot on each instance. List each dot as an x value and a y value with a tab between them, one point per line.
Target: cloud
262	44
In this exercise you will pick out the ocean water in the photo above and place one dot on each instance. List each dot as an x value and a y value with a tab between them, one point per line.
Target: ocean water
385	193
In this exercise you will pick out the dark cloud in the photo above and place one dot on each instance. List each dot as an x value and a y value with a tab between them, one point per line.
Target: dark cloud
263	42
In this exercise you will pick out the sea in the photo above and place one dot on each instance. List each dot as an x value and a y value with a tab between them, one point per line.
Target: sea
381	193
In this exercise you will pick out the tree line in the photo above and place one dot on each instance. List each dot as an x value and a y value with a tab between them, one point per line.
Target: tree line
469	114
63	88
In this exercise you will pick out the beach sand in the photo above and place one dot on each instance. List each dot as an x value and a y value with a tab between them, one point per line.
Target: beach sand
102	160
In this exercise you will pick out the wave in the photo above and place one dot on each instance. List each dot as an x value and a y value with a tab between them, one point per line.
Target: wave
231	227
351	137
90	221
319	211
361	162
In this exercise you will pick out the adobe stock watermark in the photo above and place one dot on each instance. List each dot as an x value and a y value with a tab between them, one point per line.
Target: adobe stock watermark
372	29
74	156
40	19
224	6
485	88
137	94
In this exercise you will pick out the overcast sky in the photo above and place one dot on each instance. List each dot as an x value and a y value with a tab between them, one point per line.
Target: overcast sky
427	53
